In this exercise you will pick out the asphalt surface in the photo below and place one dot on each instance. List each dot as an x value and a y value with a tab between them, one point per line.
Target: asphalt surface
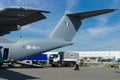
59	74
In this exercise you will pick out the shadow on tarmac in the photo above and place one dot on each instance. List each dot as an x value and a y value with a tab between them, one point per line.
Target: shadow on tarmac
12	75
117	71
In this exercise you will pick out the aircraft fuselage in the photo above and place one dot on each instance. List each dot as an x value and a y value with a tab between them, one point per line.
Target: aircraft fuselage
27	47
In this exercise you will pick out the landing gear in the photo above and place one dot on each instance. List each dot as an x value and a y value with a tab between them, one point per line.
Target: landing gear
11	64
1	65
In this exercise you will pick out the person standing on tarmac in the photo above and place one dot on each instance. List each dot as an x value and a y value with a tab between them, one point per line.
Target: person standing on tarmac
81	62
77	65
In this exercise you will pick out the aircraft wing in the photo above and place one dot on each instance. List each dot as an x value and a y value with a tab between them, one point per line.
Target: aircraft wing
11	19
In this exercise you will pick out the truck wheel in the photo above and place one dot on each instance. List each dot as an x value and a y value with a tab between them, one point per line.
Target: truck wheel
10	65
52	65
71	65
59	65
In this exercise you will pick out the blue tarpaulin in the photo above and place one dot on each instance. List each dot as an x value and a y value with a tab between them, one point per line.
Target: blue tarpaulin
41	57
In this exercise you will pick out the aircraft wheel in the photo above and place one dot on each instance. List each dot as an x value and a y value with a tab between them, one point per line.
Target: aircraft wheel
1	65
71	64
11	65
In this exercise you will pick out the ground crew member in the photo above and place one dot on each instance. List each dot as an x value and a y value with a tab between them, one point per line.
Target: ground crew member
77	65
81	62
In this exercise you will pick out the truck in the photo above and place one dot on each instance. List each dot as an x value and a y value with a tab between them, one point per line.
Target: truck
63	59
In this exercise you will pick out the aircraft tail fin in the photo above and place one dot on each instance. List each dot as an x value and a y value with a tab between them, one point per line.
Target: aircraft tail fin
70	23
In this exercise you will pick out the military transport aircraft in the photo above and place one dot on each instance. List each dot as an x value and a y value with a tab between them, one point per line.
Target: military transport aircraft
12	19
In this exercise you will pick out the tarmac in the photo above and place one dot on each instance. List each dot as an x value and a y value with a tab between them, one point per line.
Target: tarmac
66	73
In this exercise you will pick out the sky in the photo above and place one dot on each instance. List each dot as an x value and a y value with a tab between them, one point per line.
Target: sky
95	34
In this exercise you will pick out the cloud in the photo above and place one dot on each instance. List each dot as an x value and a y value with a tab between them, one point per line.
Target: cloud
97	31
115	4
108	39
25	27
102	27
28	3
71	4
102	36
42	4
28	29
1	6
102	20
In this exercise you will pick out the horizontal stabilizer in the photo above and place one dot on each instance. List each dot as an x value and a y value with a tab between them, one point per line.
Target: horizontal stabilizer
91	13
70	23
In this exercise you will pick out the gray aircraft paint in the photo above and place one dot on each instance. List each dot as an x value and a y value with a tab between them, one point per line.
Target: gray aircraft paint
66	28
60	37
26	47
